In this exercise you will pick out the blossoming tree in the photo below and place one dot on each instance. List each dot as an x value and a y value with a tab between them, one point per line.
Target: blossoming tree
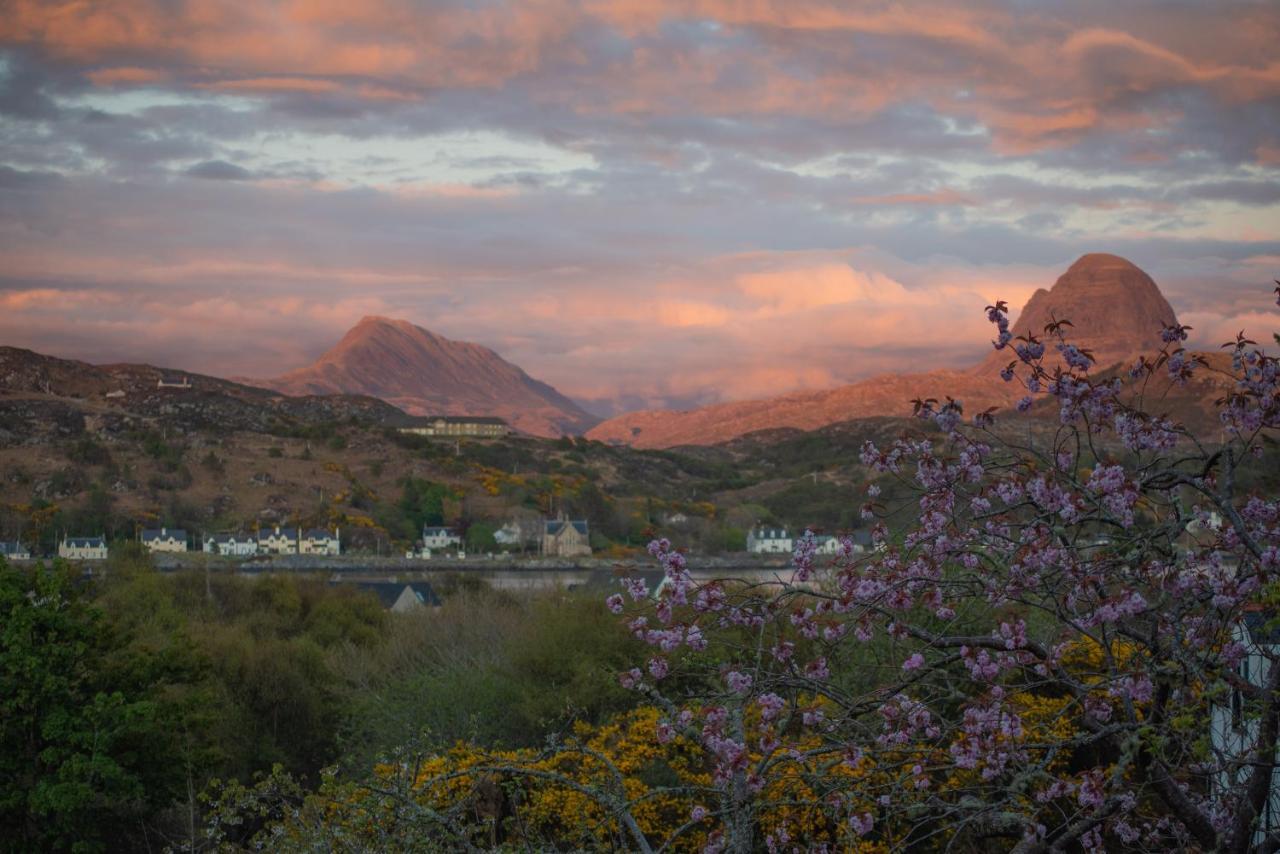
1033	663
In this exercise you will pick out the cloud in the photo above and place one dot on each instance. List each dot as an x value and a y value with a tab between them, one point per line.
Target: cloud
642	201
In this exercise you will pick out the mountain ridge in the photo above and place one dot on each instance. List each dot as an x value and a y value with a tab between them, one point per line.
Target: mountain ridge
1116	308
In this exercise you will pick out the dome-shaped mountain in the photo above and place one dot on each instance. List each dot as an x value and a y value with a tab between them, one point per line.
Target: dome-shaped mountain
426	374
1115	309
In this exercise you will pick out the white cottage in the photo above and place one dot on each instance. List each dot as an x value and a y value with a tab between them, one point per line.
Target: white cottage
231	545
437	538
83	548
1234	731
769	541
278	541
14	550
318	541
165	540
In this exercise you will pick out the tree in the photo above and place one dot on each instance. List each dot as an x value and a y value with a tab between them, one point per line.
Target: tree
1036	662
78	755
1040	654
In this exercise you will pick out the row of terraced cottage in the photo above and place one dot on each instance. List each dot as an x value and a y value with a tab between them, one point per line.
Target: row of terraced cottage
268	541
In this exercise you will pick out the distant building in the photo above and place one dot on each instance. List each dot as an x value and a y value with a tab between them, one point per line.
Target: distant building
516	533
83	548
437	538
1234	732
165	540
400	597
173	381
318	541
459	426
566	538
278	541
14	550
231	545
770	541
827	544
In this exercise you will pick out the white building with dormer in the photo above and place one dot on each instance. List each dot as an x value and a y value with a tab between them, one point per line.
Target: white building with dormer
770	541
165	540
278	541
231	545
437	538
83	548
318	541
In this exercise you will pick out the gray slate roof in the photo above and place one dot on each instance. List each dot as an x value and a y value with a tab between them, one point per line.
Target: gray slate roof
152	534
389	591
555	526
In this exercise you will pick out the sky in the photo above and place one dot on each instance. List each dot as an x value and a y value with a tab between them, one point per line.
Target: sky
643	202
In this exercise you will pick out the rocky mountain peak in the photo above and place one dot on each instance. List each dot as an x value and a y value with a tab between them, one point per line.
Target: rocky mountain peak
1115	309
425	373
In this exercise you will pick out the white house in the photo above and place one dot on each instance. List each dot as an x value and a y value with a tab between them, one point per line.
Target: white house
1234	730
83	548
231	545
769	541
278	541
318	541
435	537
165	540
516	532
14	550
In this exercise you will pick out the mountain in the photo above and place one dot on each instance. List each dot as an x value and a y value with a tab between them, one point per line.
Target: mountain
427	374
1116	309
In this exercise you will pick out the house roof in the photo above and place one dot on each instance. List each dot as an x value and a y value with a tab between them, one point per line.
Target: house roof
152	534
230	538
86	542
318	534
11	548
555	526
467	419
771	534
388	592
273	533
438	531
403	421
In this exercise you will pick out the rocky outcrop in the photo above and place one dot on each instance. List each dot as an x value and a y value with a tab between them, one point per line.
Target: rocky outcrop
428	374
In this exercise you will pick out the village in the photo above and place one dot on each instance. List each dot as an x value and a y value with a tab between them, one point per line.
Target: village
559	538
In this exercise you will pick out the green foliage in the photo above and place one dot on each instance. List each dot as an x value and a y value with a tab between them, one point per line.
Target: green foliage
480	537
484	667
86	749
337	442
275	452
421	503
817	505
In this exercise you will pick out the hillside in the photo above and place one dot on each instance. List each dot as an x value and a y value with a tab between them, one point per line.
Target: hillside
1116	309
427	374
